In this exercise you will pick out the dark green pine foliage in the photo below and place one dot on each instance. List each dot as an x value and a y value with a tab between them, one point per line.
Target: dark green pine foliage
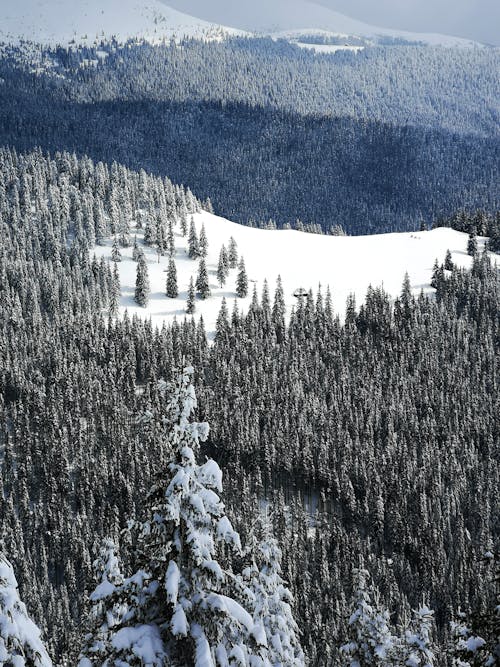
202	281
171	284
242	280
191	298
142	287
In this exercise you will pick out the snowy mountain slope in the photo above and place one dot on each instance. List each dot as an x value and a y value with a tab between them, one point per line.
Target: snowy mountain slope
86	22
293	18
346	264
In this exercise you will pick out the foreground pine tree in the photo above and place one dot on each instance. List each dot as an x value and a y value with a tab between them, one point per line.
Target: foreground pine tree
142	282
271	610
171	284
20	643
184	605
370	639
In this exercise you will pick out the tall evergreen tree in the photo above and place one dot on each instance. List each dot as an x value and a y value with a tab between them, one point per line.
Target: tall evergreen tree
191	298
142	288
232	253
202	283
171	286
242	280
193	243
116	255
472	245
222	267
203	242
20	643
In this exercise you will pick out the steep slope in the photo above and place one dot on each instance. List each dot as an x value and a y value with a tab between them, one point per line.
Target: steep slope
87	22
345	264
289	18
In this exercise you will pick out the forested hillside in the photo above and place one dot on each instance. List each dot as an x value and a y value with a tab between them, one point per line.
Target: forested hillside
376	141
375	438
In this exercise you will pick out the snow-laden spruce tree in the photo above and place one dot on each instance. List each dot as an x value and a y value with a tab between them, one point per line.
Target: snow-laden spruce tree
371	641
20	643
271	606
417	645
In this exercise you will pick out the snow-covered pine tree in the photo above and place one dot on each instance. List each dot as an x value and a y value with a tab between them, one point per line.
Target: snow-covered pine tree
472	245
171	286
107	610
203	242
271	605
193	243
189	593
202	283
170	239
222	266
242	280
136	252
116	255
142	282
370	639
232	253
417	646
114	297
191	298
20	643
448	262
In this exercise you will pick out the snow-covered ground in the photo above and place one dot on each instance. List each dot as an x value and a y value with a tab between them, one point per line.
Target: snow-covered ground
347	264
87	22
291	17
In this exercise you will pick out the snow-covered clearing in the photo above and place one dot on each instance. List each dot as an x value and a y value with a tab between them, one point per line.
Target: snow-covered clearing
347	264
329	48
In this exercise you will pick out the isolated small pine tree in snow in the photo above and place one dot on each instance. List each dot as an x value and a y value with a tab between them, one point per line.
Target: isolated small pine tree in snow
222	267
191	298
203	242
242	280
136	251
233	253
116	255
202	283
171	286
472	245
183	223
142	282
370	639
193	243
20	643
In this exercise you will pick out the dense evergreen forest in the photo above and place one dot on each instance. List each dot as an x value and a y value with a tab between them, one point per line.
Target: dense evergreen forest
374	438
376	141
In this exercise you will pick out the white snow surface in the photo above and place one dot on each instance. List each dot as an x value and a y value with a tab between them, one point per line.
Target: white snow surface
87	22
287	18
347	264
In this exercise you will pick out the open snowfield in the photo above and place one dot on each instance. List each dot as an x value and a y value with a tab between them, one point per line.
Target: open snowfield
287	18
87	22
347	264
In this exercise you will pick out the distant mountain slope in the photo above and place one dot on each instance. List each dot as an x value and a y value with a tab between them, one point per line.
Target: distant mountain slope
90	21
289	18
